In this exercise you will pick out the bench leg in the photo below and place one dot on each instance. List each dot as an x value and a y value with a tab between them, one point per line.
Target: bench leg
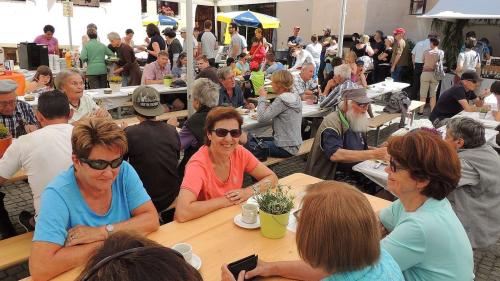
119	112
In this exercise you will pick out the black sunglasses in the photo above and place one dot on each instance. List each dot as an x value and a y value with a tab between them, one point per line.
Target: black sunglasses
394	166
221	132
103	164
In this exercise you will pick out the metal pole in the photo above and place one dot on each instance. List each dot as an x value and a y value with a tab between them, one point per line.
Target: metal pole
70	36
341	32
215	20
190	65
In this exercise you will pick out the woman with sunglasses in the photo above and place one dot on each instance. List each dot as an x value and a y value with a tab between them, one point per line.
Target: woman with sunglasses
425	236
214	175
286	114
98	195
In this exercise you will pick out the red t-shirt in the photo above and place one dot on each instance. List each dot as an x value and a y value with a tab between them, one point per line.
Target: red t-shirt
200	177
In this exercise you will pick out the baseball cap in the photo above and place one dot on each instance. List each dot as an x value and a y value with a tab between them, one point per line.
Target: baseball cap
182	30
471	76
146	101
7	86
399	30
357	95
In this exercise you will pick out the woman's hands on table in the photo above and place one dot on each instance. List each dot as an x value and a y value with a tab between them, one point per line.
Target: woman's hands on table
82	234
238	196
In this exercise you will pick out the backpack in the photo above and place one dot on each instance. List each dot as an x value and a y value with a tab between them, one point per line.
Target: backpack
398	102
439	70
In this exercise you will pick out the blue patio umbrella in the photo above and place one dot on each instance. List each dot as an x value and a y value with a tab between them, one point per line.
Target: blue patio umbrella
249	18
166	20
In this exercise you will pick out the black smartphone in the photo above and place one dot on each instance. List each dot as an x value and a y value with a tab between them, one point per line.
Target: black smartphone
246	263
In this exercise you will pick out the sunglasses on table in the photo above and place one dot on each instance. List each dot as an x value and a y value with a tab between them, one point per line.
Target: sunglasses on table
103	164
221	132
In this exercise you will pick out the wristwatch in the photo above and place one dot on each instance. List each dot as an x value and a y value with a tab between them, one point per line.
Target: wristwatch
109	228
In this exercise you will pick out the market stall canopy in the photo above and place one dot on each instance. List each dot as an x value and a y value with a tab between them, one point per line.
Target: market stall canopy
232	2
465	9
249	18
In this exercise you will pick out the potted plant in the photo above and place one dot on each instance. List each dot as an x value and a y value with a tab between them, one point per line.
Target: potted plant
482	112
5	139
115	83
275	205
167	80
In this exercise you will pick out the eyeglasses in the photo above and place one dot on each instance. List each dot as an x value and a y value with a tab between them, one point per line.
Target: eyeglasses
364	105
394	166
103	164
221	132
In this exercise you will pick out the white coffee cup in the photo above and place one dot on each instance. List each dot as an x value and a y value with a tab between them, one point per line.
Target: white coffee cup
249	213
185	250
389	79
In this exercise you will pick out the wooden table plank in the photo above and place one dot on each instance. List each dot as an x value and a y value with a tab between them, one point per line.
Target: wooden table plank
15	250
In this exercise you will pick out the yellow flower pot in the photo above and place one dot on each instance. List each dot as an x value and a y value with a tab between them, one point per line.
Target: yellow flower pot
273	226
167	82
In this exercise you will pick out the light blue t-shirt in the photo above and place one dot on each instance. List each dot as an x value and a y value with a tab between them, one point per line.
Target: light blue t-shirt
385	270
428	244
275	67
63	207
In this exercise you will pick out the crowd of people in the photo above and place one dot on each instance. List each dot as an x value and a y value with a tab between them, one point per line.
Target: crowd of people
106	180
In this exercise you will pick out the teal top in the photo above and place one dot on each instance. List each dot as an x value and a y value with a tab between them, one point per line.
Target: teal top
386	269
429	243
94	53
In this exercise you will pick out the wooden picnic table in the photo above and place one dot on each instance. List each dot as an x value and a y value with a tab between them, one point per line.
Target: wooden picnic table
217	240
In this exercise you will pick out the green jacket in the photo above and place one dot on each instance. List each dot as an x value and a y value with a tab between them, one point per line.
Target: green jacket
94	53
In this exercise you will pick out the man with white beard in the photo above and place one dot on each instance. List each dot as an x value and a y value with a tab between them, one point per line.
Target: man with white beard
340	143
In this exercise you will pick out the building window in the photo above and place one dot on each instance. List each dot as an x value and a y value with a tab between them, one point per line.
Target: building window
417	7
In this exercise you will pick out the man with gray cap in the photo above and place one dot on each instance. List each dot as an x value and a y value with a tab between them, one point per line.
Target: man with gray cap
340	142
154	150
16	115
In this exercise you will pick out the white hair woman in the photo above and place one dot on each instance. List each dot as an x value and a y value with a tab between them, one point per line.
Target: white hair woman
71	83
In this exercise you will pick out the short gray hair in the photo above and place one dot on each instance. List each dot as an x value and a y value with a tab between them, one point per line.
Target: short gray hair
63	76
468	129
223	72
206	92
162	53
343	70
113	36
308	64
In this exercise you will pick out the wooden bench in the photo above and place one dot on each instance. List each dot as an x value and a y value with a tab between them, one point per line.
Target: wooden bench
163	117
15	250
380	120
304	149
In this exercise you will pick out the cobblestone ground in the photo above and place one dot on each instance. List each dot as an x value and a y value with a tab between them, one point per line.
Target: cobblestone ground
18	198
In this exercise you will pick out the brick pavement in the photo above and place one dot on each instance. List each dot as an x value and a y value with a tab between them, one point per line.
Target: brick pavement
18	198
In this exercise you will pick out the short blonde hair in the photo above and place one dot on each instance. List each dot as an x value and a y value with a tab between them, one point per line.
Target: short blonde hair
283	78
90	132
337	229
365	39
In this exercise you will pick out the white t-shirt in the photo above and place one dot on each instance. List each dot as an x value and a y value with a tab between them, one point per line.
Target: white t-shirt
302	58
208	43
43	154
315	50
469	59
419	49
87	107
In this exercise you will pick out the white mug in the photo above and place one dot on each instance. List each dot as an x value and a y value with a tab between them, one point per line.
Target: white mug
389	79
249	213
185	250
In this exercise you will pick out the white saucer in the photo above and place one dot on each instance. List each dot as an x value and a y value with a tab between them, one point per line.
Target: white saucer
240	223
196	261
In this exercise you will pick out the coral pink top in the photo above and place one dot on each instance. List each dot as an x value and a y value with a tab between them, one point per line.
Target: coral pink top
200	177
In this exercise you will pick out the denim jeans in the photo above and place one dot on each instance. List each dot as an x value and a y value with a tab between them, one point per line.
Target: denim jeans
398	73
274	151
